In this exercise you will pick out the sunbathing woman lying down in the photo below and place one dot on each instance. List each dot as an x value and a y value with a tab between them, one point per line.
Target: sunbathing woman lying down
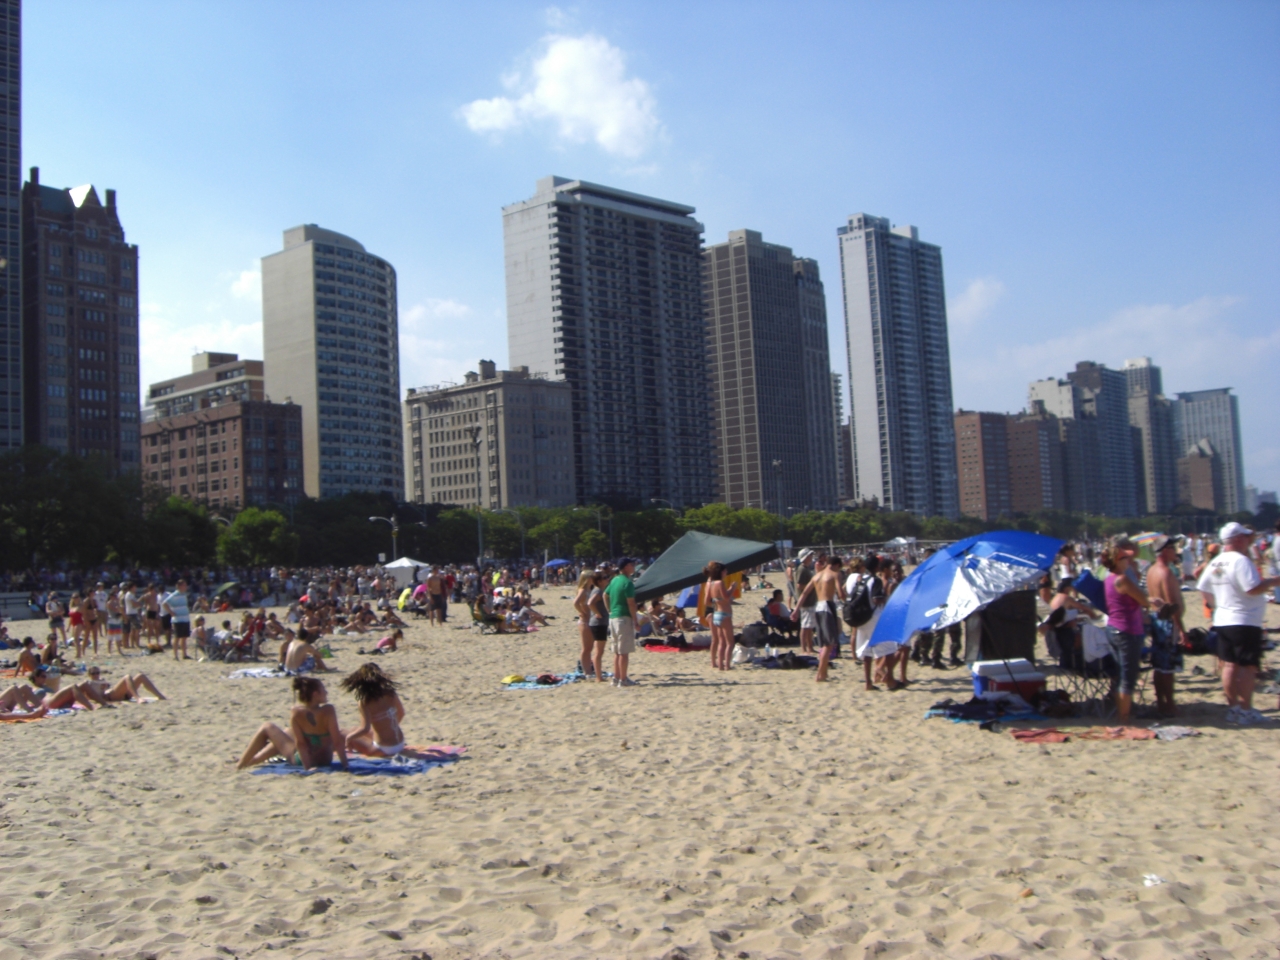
313	732
126	688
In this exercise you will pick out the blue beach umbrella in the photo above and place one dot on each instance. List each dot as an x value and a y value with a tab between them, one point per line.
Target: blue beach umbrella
962	578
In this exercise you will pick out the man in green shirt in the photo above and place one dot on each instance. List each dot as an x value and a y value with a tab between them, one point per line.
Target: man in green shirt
620	595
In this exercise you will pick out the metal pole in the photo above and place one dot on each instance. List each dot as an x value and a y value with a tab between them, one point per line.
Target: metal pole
475	440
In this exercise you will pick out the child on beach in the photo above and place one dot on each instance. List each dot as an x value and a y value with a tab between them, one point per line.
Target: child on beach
313	734
389	643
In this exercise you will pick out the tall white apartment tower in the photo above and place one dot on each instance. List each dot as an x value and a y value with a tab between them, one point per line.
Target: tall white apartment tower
895	312
330	333
604	291
1214	415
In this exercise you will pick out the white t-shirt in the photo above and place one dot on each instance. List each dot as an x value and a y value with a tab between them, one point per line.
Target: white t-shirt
131	604
1229	577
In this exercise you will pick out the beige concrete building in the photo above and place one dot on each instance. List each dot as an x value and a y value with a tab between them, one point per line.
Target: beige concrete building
215	378
522	424
330	332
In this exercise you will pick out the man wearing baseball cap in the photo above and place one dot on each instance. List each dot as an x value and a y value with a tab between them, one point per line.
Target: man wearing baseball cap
1236	591
1164	582
620	597
807	607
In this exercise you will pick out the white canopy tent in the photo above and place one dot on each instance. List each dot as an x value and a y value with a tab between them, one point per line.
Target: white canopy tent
402	570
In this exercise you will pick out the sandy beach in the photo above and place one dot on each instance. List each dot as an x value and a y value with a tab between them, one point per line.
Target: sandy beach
750	814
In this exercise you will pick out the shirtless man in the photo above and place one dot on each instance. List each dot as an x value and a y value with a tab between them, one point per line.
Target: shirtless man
302	657
28	659
435	597
126	687
1164	582
828	587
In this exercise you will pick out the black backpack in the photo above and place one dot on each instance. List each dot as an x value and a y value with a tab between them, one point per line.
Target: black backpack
858	609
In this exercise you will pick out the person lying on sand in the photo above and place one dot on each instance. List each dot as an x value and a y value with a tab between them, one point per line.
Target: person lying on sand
19	698
380	710
126	687
48	691
313	734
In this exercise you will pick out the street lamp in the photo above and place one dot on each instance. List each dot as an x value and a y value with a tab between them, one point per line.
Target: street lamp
669	504
219	519
519	520
777	492
475	442
395	532
600	522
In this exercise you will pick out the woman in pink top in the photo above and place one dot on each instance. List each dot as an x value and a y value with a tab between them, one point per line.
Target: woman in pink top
1125	629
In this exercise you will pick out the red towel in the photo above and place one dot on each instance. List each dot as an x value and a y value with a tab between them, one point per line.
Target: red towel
1117	733
1048	735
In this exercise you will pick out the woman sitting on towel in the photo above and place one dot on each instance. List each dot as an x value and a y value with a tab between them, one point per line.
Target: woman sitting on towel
313	733
48	691
19	701
380	709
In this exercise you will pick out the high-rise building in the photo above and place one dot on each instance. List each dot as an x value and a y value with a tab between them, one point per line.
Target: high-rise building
1036	462
12	277
80	324
215	378
899	368
1151	414
982	460
819	407
1214	415
1092	405
230	453
1200	477
844	468
520	426
770	375
604	292
330	333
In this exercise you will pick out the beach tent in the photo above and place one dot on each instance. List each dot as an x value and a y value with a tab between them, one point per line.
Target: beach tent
681	565
403	568
552	564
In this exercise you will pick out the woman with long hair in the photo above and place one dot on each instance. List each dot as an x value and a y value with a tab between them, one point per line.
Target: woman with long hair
719	606
1125	628
313	735
598	621
75	619
381	711
586	583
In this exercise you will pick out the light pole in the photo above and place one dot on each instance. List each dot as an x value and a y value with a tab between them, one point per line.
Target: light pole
600	523
519	520
219	519
777	492
669	504
395	532
475	442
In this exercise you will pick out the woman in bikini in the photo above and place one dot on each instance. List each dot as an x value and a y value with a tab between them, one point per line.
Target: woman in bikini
381	711
126	688
75	620
719	606
92	618
313	734
586	583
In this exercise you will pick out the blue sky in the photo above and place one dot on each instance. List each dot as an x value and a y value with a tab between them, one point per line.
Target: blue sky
1101	177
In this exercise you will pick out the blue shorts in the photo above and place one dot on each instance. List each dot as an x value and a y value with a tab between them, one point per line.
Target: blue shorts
1166	655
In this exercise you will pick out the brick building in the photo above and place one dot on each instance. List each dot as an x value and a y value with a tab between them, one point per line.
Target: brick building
230	454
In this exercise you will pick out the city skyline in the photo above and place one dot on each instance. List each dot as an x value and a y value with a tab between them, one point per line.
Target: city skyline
1052	167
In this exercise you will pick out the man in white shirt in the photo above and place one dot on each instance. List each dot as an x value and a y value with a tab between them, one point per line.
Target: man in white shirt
1235	590
132	631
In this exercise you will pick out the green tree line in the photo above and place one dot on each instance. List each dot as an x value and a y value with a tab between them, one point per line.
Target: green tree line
56	508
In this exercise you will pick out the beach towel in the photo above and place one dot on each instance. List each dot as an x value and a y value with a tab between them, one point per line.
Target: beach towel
1175	733
264	673
978	710
1048	735
659	648
64	712
1117	733
360	766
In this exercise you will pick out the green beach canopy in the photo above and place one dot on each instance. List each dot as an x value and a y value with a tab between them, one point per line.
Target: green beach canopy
681	565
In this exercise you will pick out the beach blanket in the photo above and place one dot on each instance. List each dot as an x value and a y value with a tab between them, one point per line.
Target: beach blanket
659	648
360	766
1117	733
64	712
264	673
1047	735
978	710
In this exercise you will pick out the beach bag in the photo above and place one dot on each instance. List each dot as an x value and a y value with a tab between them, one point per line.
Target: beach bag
755	634
740	654
858	609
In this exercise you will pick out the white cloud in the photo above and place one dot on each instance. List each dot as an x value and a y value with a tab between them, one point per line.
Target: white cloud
580	85
248	285
1196	344
557	19
976	302
166	344
437	344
